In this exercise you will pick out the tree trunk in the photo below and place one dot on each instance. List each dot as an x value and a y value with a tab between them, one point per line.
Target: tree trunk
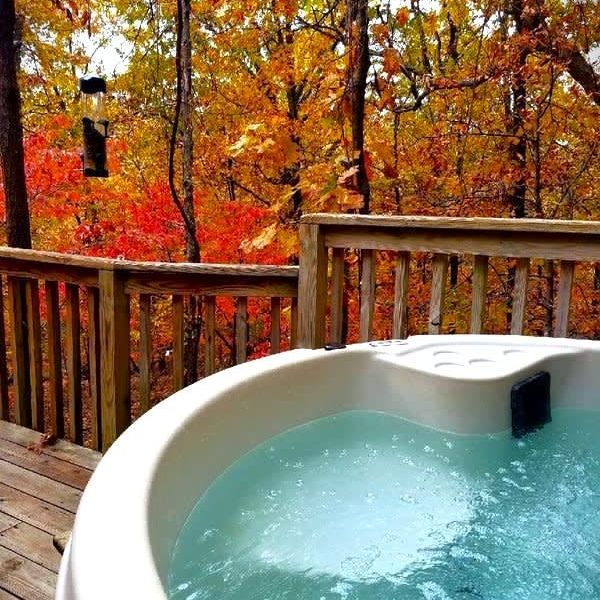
291	175
192	248
515	103
12	156
357	50
12	162
518	145
184	117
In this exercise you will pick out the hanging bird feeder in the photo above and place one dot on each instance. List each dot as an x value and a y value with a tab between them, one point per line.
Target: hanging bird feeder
95	126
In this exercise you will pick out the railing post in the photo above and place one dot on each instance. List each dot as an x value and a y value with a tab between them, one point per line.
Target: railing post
312	287
17	312
114	356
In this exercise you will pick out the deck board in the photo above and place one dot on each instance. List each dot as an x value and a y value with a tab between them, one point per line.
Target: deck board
39	494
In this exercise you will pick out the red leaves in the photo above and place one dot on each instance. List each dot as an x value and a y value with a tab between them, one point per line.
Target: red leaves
402	16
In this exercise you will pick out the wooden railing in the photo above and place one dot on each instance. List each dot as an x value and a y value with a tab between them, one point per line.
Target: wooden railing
33	379
482	238
79	361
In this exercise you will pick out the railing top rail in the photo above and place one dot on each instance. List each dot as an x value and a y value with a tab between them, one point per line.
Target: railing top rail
476	224
107	264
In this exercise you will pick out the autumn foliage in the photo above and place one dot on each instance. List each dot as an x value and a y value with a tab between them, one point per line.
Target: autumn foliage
488	108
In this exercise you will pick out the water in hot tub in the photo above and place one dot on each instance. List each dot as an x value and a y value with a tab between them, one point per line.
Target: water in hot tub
365	506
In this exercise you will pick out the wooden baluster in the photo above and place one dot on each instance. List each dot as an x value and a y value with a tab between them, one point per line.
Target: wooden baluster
275	325
73	351
479	299
367	294
114	356
145	386
438	292
312	287
565	286
519	305
34	346
55	374
93	302
337	296
16	304
241	329
209	336
294	323
400	322
178	342
4	412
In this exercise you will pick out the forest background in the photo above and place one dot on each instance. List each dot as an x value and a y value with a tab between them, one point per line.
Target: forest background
230	119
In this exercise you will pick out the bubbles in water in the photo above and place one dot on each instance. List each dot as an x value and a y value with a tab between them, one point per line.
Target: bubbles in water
386	509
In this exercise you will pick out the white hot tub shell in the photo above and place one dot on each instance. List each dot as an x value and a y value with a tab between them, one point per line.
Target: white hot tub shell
145	486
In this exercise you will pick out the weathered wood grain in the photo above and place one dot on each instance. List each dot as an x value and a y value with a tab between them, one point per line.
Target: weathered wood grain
145	349
367	294
457	223
38	486
439	275
209	285
294	323
401	278
56	421
241	329
44	464
4	406
73	362
312	287
178	342
34	346
565	286
114	357
275	325
33	543
513	243
519	304
24	578
76	455
17	312
479	297
35	512
336	309
93	303
209	335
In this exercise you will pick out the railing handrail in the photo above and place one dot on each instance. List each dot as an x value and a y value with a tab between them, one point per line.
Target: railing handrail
111	286
459	223
483	238
116	264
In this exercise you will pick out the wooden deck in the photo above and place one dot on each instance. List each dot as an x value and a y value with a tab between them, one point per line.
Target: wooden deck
39	494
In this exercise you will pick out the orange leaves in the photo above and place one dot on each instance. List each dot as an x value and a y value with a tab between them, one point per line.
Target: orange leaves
392	62
275	146
402	16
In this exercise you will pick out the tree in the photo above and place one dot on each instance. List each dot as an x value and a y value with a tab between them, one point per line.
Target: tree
12	162
358	63
184	111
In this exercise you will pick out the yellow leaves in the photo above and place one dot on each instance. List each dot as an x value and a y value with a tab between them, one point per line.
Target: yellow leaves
262	240
289	149
402	16
352	200
237	148
273	145
380	32
392	62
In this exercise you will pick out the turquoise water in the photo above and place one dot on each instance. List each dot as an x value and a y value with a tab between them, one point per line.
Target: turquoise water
367	506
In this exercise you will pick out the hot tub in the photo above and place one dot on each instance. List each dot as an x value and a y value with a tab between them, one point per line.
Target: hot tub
146	485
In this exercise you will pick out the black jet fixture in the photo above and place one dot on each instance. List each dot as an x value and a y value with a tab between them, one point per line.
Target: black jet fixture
95	126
